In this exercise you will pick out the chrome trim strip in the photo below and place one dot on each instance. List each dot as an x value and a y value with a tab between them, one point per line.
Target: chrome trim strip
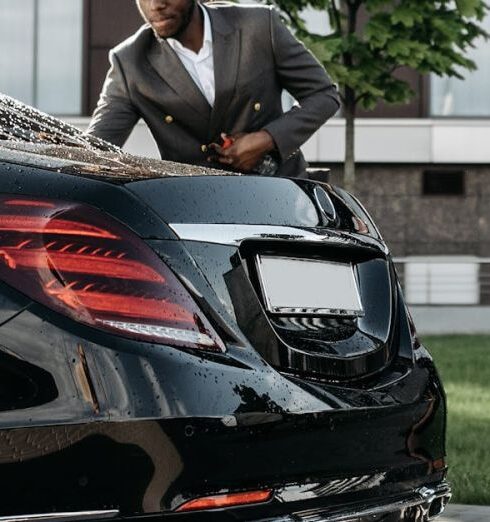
64	517
315	311
233	235
299	492
416	507
420	503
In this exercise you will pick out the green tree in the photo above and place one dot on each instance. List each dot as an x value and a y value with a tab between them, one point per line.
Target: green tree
369	40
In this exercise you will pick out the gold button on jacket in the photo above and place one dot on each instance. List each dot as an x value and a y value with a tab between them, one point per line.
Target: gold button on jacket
169	119
204	148
257	107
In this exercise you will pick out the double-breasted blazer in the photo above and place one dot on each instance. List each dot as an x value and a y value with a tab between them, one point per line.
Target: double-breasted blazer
255	58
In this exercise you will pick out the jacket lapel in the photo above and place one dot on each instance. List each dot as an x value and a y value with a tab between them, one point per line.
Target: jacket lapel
226	54
168	65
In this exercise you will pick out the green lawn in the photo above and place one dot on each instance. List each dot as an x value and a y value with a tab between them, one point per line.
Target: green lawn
464	364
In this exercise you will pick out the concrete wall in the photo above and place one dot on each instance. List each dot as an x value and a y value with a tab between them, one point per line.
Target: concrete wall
414	224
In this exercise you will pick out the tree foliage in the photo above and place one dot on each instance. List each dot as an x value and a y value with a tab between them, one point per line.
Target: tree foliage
369	40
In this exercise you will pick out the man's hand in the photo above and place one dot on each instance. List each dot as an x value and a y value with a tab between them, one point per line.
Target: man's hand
246	150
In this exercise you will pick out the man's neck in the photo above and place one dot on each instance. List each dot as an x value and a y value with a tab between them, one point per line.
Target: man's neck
193	35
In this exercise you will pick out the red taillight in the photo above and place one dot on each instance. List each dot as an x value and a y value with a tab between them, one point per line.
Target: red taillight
15	223
84	264
228	500
439	464
19	202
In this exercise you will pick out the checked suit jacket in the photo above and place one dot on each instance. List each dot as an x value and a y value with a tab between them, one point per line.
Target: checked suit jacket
255	58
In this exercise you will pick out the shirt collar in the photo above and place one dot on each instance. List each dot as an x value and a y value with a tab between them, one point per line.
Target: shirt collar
208	33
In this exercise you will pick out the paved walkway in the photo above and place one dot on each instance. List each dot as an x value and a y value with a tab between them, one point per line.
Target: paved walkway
460	513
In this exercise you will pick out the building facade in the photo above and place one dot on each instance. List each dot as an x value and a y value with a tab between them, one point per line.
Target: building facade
424	167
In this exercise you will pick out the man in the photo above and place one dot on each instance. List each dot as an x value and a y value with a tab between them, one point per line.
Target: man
200	73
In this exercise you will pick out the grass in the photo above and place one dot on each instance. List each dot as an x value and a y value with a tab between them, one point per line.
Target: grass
464	364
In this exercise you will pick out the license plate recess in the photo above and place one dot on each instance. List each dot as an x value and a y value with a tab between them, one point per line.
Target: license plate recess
297	286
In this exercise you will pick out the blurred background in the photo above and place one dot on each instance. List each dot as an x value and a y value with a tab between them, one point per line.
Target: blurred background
422	167
423	173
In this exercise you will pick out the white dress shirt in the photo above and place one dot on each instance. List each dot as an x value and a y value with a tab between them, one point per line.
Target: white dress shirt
200	66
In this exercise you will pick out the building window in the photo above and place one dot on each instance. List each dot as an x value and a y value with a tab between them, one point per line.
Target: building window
41	58
468	97
443	183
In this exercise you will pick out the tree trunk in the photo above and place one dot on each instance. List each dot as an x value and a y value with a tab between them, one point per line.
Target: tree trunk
350	163
350	102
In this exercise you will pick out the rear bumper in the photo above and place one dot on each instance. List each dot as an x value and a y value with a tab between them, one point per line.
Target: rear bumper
423	505
329	463
372	444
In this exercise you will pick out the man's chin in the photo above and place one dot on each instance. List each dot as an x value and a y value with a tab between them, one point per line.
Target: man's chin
166	29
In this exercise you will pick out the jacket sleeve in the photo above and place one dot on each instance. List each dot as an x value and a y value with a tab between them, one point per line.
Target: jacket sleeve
304	78
115	116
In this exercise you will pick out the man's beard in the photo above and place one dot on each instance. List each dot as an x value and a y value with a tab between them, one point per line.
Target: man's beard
186	20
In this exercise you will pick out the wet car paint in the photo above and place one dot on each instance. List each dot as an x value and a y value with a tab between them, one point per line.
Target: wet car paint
90	420
217	427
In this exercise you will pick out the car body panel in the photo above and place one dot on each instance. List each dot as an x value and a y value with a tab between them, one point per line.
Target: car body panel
331	412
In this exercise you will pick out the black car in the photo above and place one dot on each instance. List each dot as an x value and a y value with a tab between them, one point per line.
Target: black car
182	343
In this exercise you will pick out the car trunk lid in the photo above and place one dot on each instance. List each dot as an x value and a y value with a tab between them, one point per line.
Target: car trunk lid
318	236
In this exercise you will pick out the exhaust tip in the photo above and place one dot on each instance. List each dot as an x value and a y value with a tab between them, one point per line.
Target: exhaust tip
437	507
